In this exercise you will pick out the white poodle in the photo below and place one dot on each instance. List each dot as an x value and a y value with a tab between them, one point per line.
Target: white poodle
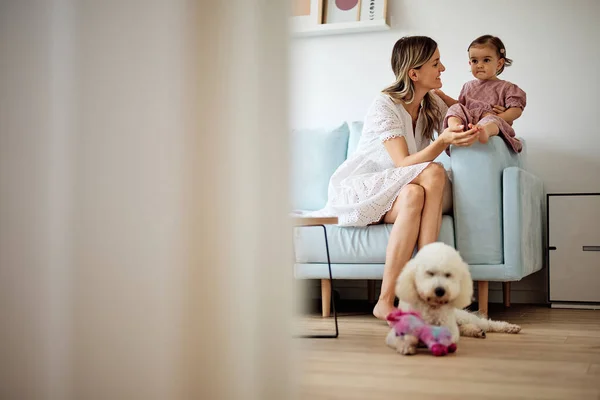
437	283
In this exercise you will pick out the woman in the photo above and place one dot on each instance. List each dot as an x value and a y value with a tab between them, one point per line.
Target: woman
391	177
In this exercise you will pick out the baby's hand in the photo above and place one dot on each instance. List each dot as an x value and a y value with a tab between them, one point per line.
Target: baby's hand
498	109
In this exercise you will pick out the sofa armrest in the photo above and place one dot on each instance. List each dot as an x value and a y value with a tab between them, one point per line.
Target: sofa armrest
524	221
477	186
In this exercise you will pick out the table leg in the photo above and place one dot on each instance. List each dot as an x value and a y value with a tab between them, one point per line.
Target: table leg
331	336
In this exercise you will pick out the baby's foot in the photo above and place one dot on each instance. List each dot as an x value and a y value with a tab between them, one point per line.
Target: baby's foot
483	136
382	310
487	130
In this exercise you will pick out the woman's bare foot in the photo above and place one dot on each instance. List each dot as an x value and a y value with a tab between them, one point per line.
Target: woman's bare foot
383	309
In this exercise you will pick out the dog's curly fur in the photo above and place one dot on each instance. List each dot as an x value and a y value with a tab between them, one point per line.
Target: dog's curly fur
437	283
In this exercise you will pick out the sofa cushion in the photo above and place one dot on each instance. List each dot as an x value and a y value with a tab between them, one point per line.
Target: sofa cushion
316	154
339	271
353	245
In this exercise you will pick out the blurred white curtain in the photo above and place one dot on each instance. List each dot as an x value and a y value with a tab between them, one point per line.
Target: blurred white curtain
144	246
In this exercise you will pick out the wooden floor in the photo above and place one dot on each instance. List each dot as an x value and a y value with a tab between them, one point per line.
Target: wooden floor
556	356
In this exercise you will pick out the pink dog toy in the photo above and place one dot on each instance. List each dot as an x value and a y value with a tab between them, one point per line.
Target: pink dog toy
437	338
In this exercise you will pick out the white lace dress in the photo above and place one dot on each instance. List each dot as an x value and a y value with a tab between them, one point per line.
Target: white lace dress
365	186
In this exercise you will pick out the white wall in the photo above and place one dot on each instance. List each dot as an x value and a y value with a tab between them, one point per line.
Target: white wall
556	58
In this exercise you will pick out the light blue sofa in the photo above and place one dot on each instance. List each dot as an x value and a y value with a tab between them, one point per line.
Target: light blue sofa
497	223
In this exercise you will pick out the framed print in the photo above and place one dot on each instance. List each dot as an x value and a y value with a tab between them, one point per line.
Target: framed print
333	17
373	10
306	14
336	11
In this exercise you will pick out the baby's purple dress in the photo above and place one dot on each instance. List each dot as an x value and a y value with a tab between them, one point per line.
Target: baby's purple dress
477	98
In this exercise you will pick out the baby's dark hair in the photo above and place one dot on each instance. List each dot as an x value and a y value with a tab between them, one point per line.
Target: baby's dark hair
496	43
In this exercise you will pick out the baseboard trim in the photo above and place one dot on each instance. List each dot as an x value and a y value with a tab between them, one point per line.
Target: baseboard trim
519	297
576	306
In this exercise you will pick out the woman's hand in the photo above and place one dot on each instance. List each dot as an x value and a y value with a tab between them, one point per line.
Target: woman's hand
456	136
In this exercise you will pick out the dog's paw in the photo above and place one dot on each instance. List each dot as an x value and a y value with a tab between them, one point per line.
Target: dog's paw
472	330
512	328
407	349
391	339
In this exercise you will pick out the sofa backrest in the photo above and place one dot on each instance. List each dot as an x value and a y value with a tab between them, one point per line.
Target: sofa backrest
355	128
316	154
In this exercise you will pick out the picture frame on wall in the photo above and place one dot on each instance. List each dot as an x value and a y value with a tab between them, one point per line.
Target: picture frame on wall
306	14
336	11
333	17
373	10
339	11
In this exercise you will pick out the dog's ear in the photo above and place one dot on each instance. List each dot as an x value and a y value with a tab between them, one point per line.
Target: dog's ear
405	285
466	288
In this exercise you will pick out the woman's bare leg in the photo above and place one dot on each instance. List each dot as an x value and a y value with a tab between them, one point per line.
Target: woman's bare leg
447	197
432	179
406	216
447	200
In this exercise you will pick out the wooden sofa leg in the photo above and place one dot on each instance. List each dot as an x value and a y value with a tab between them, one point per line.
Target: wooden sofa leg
482	293
326	297
371	291
506	293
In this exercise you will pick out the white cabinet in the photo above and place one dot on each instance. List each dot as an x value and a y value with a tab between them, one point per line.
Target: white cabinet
574	248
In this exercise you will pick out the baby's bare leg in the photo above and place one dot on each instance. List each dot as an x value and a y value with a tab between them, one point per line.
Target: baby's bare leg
453	122
488	130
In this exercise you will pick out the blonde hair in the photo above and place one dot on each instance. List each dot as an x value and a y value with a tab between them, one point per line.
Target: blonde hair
412	52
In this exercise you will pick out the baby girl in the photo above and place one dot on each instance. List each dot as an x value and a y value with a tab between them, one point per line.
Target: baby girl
487	101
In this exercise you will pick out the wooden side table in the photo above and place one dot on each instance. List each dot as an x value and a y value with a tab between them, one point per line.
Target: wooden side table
299	221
